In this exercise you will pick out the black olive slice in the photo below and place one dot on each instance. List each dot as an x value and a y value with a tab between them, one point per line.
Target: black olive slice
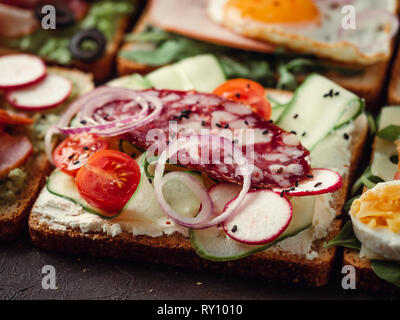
65	17
95	38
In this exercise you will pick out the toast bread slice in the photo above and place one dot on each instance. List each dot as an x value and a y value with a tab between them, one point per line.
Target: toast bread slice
370	85
366	279
176	250
101	69
394	85
14	216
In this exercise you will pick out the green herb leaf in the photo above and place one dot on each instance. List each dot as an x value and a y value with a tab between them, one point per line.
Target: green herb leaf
287	80
387	270
391	133
348	204
345	238
371	125
367	179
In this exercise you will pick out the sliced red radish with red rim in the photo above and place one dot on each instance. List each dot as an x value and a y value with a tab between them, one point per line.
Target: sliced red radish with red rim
261	218
49	93
319	181
21	70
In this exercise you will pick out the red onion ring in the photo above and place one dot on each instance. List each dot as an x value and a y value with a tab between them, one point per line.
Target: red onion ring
201	220
89	103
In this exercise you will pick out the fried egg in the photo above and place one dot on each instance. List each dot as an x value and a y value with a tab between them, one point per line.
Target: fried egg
376	220
316	27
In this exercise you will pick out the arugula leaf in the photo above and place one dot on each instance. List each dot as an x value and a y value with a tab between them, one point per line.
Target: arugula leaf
277	69
387	270
367	179
287	80
391	133
347	205
371	125
345	238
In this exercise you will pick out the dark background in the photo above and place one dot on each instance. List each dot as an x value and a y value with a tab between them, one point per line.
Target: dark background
82	277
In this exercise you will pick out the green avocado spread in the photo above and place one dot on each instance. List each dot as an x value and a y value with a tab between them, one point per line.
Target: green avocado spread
12	186
54	44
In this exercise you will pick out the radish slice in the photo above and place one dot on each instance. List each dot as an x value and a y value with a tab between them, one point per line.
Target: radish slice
260	219
320	181
49	93
21	70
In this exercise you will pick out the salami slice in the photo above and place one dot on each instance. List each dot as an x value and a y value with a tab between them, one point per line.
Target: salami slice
277	157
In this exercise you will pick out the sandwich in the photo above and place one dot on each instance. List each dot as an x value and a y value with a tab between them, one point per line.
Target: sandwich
84	34
276	45
208	173
371	235
32	98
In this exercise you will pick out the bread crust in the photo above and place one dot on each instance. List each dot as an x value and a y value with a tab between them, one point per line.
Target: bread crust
394	85
177	251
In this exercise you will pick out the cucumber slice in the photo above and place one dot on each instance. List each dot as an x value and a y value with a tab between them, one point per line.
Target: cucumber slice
213	244
63	185
170	77
134	82
203	71
382	166
318	107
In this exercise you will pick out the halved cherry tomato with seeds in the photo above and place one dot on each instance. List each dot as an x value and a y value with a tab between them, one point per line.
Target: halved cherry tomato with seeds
108	180
248	92
71	154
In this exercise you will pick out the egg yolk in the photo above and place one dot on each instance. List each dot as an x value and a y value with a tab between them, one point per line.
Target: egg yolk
379	208
277	11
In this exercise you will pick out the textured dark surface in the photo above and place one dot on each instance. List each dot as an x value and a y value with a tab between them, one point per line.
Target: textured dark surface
90	278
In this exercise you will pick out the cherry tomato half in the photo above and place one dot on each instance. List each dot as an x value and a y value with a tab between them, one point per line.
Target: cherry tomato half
74	152
108	180
248	92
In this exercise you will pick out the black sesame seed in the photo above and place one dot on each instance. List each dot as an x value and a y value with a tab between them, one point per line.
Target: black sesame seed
71	156
292	188
226	126
186	116
150	181
337	93
303	134
83	122
234	229
346	136
265	132
282	194
310	176
106	116
235	141
296	184
218	125
294	132
295	116
85	148
76	162
271	121
246	122
203	123
317	184
237	95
